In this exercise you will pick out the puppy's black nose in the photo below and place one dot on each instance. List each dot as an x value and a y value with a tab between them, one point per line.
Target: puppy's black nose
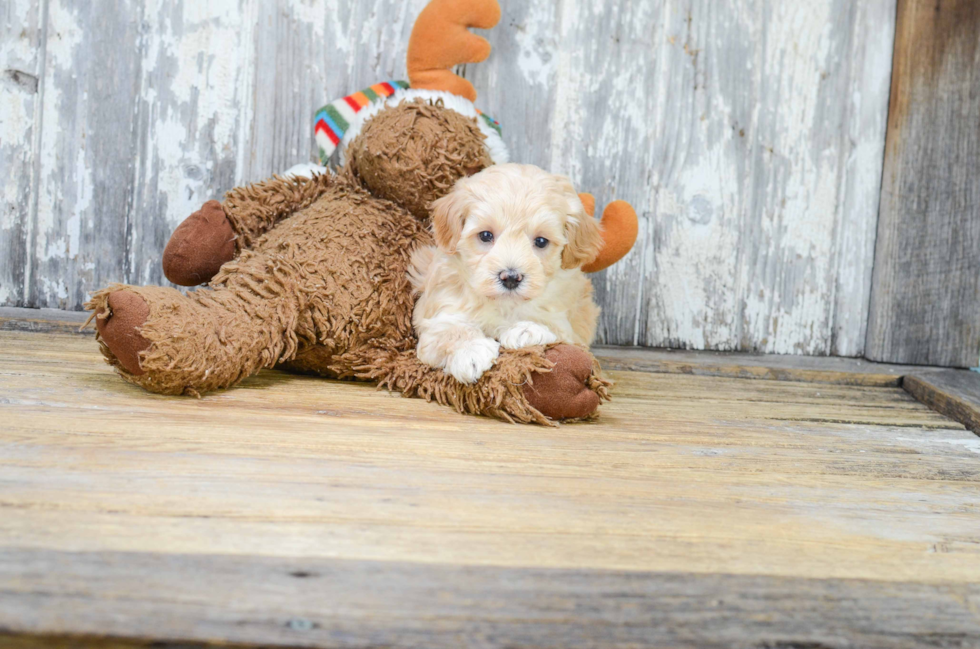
511	279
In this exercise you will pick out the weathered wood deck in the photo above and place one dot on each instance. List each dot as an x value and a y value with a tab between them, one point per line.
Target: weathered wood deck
291	511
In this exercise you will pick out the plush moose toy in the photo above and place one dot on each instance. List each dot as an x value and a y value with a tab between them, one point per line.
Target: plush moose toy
309	274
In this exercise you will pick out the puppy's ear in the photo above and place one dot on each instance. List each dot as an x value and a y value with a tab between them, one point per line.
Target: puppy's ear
448	216
581	230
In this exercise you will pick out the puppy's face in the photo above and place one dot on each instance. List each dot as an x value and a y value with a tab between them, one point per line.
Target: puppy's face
513	227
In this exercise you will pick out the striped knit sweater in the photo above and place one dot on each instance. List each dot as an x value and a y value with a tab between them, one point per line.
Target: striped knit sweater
334	120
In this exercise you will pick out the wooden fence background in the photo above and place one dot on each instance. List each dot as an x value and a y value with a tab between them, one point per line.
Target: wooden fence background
749	135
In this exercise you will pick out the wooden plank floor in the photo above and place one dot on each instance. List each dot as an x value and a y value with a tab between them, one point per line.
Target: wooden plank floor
292	511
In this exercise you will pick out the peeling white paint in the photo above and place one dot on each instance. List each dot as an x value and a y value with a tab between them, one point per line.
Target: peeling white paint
534	40
83	200
566	120
16	122
20	32
748	135
733	127
56	289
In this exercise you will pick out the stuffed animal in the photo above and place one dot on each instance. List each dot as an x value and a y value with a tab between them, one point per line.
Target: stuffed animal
309	274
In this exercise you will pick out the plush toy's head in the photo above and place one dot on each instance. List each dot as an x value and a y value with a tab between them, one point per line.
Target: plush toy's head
410	143
414	152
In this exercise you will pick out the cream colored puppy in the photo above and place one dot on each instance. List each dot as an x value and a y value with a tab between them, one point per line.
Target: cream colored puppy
507	270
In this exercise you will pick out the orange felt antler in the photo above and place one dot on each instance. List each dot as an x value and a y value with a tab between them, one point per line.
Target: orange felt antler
619	230
441	39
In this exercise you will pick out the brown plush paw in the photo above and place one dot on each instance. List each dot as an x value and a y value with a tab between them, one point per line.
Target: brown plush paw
563	393
199	246
119	328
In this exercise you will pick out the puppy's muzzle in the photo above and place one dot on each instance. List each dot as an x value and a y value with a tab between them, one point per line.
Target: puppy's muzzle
511	279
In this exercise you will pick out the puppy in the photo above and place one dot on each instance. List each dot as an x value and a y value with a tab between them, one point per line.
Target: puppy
506	271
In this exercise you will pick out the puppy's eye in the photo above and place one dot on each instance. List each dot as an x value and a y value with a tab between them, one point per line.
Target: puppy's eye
486	236
541	242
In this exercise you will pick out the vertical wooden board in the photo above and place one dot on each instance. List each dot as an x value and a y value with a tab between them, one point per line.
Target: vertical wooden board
628	99
925	303
517	84
611	90
289	79
872	42
87	157
21	26
308	54
730	129
745	135
807	236
193	115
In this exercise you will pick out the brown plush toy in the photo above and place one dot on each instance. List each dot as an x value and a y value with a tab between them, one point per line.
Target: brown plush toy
309	274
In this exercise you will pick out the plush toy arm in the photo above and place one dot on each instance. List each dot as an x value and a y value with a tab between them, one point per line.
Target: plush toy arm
530	385
619	230
255	209
441	39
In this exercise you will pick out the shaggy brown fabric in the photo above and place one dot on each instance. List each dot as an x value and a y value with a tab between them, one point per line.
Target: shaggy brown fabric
503	392
286	293
199	246
255	209
498	394
441	146
321	286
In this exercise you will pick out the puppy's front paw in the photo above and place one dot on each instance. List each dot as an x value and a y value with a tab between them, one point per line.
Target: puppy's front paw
526	334
472	358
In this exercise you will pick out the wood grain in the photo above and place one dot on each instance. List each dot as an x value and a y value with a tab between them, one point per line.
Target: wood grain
21	59
748	136
86	155
285	455
804	369
925	307
952	393
178	601
294	511
43	321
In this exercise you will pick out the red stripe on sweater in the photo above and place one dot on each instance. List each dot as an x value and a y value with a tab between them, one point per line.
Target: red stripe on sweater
323	126
353	104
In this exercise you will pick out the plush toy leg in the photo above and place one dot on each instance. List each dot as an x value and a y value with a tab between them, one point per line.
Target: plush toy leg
533	385
117	321
217	232
199	246
172	343
573	389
